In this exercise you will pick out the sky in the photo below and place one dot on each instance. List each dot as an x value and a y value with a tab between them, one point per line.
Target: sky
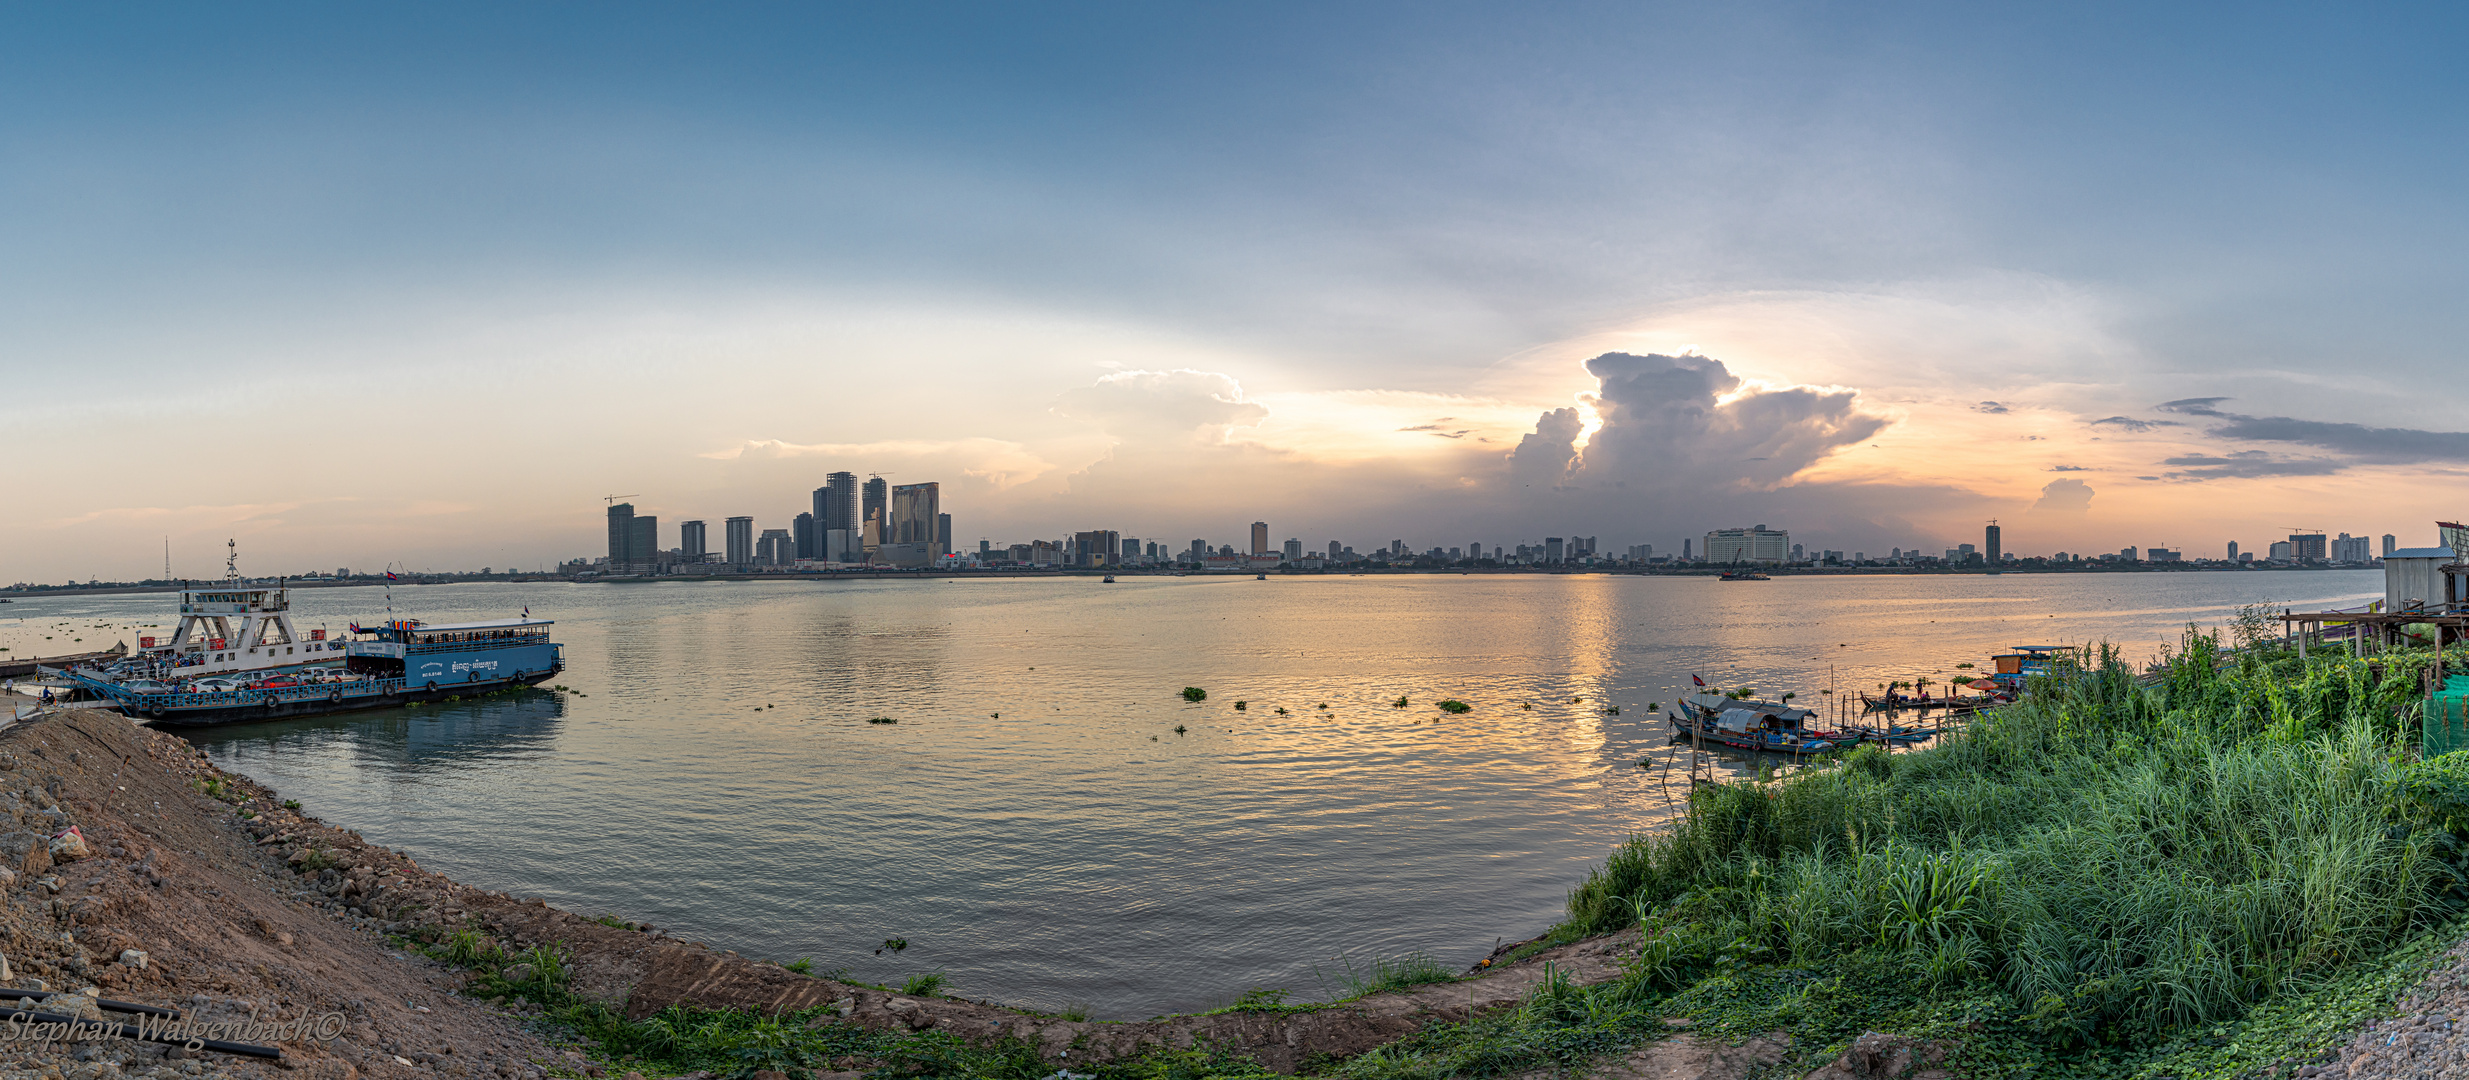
421	285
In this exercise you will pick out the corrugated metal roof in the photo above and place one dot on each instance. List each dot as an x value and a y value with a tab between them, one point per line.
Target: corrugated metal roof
2421	553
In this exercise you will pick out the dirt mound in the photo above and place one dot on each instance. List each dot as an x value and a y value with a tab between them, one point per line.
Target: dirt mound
225	931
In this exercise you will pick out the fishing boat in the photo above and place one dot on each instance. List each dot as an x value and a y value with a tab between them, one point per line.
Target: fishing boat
1743	575
1749	725
1954	706
2022	663
397	663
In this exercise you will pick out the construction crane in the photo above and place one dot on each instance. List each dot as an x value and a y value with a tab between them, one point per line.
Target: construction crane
612	499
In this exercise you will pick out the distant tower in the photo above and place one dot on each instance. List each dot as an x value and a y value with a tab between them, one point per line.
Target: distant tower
621	536
690	541
871	506
1260	538
1994	545
739	540
2391	543
2233	551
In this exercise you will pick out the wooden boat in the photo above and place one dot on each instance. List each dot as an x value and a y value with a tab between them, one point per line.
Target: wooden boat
1743	575
1749	725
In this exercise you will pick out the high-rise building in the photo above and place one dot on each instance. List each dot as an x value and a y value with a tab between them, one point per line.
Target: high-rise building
2233	551
872	502
1994	545
1334	551
835	503
621	536
776	547
1758	545
1554	549
2308	547
738	536
643	544
1131	550
1684	550
1294	550
1260	538
2391	544
1474	551
1796	553
690	542
2282	551
2352	549
915	514
942	535
1096	548
801	531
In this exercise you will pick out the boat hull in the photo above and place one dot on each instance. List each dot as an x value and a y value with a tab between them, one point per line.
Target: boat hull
250	706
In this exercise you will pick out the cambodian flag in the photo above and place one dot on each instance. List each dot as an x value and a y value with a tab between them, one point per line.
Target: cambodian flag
390	575
1695	679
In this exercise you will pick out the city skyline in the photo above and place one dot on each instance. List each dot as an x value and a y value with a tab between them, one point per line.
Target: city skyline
1883	273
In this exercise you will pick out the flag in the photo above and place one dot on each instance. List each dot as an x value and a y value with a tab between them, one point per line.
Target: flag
390	575
1695	679
527	611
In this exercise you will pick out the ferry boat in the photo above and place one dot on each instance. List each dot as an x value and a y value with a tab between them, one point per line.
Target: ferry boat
394	664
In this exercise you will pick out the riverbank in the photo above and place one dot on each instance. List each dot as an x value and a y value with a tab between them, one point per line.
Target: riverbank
1910	942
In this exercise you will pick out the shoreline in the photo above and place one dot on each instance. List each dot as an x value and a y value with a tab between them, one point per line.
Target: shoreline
821	576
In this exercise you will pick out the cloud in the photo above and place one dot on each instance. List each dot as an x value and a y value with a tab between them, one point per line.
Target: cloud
998	462
2246	465
2067	496
1680	421
2131	424
2193	406
1182	404
2360	443
2068	468
1547	454
1990	407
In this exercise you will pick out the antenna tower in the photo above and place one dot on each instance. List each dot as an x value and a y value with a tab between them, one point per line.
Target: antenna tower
231	561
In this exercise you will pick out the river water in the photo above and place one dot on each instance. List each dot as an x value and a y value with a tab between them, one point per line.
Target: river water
1036	827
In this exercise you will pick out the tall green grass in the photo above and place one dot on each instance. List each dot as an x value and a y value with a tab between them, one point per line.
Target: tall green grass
2091	874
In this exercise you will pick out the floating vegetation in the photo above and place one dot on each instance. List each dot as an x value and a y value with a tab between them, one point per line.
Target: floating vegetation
1452	705
1577	701
1611	710
1400	703
1526	705
1192	693
1324	705
1178	729
1964	664
1281	710
895	944
1239	706
882	720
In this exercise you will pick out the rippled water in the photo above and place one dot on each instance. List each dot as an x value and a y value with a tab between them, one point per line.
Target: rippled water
1035	826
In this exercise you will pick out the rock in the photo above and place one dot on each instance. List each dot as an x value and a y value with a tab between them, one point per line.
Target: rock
135	958
1877	1056
69	845
26	851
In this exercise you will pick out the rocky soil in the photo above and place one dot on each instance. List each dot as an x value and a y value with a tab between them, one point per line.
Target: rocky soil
2429	1038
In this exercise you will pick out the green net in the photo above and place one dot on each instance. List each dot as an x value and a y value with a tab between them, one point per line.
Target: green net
2447	717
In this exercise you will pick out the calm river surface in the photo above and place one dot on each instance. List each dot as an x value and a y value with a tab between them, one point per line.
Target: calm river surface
1035	826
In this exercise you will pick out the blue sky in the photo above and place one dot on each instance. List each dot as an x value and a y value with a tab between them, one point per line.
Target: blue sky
575	249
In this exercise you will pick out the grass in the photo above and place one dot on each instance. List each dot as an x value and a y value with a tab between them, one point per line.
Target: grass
2195	878
1383	976
927	985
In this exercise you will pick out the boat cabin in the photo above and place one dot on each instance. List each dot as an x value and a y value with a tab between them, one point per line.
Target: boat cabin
2024	662
431	655
234	628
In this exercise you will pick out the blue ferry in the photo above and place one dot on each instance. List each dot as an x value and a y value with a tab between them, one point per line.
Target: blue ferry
393	664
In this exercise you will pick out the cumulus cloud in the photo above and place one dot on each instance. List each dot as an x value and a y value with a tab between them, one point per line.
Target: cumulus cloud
1672	421
1546	454
2068	468
2064	497
1991	407
2363	444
